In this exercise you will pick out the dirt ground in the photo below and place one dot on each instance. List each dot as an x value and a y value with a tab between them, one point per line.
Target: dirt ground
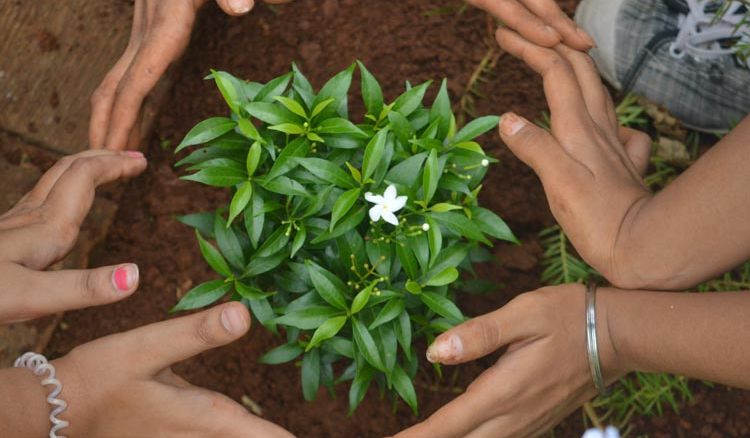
397	41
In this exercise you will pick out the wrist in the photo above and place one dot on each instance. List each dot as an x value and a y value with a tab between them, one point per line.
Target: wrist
612	352
24	410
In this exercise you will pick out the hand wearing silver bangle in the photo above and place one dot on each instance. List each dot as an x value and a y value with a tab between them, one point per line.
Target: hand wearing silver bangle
592	347
39	365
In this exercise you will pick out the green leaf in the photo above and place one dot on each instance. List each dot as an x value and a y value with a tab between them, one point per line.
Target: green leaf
492	224
431	176
292	105
351	220
286	186
403	330
361	299
475	128
343	204
413	287
329	286
434	239
411	99
342	346
249	292
366	345
213	257
273	88
253	158
339	126
406	257
406	172
226	86
337	88
254	218
374	153
249	130
229	244
326	331
206	131
299	239
441	305
404	387
315	137
282	354
441	110
202	295
356	174
311	374
263	313
446	276
274	243
203	222
461	225
389	312
286	160
359	387
401	127
270	113
240	200
308	318
321	106
442	207
288	128
217	176
327	171
372	94
260	265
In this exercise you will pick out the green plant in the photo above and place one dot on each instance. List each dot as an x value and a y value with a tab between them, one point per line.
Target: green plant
295	243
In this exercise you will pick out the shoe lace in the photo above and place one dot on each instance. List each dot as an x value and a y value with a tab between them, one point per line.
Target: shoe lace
711	30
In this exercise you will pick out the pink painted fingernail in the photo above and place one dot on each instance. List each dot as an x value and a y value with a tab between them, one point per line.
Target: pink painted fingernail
125	277
233	320
511	124
444	349
134	154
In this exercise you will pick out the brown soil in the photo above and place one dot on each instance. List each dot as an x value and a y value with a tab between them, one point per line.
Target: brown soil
397	41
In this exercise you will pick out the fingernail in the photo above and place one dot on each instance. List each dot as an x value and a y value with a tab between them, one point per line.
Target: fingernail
449	348
551	31
239	6
510	124
233	320
125	277
134	154
586	37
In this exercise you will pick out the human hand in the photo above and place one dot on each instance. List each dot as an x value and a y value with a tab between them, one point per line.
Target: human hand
591	168
539	21
43	227
160	33
122	385
542	376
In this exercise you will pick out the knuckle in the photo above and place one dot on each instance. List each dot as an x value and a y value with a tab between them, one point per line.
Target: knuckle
87	286
204	334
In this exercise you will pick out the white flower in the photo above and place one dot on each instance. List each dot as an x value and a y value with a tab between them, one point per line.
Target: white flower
485	162
609	432
425	227
386	205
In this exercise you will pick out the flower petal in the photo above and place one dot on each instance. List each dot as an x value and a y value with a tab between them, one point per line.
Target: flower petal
398	203
375	199
390	193
390	217
376	212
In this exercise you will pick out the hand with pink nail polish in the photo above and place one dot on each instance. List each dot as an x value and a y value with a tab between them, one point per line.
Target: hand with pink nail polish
120	385
43	227
160	33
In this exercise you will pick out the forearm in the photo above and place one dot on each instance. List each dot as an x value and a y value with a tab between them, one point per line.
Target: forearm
699	335
697	227
24	410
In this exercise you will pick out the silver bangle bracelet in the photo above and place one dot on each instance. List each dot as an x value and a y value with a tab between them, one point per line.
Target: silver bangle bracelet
39	365
592	347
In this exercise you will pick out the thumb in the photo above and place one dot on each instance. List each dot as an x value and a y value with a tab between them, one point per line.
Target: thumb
638	147
478	337
158	346
533	145
30	294
236	7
